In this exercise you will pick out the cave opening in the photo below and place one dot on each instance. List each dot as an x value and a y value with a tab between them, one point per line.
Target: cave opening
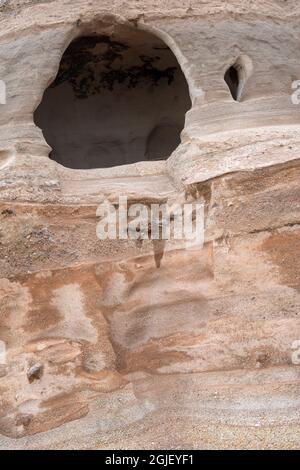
116	99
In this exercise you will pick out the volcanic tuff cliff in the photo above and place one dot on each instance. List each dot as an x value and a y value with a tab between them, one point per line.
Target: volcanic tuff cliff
107	347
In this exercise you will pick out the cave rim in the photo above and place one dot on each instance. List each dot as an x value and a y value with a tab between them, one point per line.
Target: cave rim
107	25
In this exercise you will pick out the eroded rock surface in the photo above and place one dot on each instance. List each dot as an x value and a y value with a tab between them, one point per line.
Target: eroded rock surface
119	344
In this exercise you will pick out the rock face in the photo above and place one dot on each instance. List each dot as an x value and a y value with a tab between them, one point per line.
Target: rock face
121	344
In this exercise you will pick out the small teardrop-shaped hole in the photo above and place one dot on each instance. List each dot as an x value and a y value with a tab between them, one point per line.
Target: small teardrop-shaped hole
231	77
237	75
